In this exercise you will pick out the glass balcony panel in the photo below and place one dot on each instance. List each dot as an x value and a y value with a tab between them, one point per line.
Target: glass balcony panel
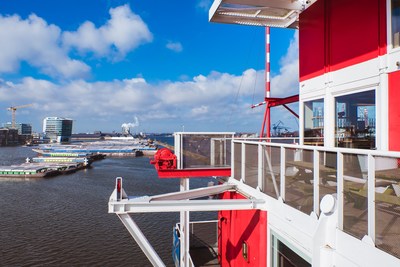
387	204
327	174
237	161
251	169
299	179
206	150
355	191
271	171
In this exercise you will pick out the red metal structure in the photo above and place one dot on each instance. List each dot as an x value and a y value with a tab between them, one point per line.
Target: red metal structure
165	163
269	101
164	159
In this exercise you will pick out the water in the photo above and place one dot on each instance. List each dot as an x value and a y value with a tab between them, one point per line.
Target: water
63	221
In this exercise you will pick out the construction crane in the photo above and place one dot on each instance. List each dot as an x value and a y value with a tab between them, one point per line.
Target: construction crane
277	128
13	110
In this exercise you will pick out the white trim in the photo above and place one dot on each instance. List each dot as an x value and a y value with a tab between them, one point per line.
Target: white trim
315	84
382	113
329	121
357	73
299	252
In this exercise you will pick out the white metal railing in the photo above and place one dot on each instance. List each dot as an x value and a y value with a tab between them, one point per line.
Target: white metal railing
365	182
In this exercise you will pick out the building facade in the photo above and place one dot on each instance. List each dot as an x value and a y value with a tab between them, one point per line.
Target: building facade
23	128
58	129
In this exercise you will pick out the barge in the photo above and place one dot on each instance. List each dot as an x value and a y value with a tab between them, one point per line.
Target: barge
27	172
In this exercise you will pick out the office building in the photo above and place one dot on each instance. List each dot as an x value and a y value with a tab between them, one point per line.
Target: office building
58	129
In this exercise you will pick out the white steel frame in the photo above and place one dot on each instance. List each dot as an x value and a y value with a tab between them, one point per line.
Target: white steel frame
174	202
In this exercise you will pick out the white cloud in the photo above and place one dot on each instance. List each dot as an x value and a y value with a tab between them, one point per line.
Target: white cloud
199	110
174	46
34	41
122	33
204	4
46	47
217	101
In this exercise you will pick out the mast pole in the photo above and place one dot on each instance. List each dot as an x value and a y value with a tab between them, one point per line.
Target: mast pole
267	115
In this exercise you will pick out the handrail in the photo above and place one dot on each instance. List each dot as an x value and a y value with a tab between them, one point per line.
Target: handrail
376	153
354	176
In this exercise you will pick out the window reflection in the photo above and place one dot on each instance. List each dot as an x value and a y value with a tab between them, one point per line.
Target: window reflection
396	23
314	122
355	120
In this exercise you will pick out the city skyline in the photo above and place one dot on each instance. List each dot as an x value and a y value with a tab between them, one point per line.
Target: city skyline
108	63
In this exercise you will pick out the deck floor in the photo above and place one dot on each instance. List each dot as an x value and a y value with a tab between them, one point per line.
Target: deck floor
205	257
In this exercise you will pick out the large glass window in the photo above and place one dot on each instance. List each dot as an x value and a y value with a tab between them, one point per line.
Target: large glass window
396	23
314	122
355	120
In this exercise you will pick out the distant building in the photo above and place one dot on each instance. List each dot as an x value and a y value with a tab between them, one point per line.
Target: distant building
23	128
8	137
58	129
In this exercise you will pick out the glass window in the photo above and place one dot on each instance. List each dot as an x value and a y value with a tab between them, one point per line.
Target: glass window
314	122
284	256
355	120
396	23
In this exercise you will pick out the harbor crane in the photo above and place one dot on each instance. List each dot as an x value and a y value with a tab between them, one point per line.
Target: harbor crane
13	111
278	126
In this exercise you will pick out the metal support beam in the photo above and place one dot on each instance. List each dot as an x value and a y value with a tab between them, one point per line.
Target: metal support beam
184	225
195	193
143	205
141	240
291	111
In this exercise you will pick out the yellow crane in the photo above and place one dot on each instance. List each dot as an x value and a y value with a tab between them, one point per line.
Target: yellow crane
13	110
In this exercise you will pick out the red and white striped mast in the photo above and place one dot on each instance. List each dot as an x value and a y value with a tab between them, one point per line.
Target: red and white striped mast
267	113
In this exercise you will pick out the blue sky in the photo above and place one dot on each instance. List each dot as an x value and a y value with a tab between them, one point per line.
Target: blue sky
108	62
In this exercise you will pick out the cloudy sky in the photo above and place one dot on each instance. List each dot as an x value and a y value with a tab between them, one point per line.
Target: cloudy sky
108	62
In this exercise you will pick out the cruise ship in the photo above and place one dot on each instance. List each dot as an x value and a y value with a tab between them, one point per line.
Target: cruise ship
328	198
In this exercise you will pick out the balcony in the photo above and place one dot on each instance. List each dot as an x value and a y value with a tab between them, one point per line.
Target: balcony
366	184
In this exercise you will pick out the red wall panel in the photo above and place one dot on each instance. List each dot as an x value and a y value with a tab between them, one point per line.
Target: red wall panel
335	34
394	111
312	41
237	227
354	31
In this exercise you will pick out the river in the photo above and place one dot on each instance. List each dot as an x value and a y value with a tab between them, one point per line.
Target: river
63	221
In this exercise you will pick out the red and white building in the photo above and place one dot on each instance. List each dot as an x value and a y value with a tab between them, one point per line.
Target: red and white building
333	199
